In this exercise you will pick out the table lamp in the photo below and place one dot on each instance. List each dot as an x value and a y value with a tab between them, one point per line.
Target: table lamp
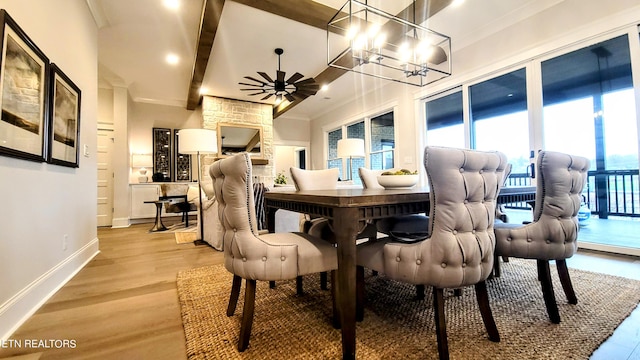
197	142
142	161
350	148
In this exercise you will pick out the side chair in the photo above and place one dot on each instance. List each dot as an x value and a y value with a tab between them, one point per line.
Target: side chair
252	256
459	250
325	179
553	234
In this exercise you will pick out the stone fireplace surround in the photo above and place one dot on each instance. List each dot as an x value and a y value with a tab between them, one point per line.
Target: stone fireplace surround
216	109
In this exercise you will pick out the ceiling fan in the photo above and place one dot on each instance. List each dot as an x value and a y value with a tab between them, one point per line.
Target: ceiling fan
289	89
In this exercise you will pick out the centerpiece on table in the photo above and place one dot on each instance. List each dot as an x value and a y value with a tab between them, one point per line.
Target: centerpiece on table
399	179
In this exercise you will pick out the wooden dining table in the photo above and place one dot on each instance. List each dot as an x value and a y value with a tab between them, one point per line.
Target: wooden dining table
348	212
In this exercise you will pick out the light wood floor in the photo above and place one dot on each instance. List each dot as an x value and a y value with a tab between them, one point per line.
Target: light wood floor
123	304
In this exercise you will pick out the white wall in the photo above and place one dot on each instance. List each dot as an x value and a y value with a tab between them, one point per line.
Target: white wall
144	117
42	203
566	23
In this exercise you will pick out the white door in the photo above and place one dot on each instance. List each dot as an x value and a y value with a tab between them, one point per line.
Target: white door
105	177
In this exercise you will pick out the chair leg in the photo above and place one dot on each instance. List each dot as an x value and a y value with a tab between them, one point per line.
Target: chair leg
505	258
496	266
485	310
235	293
360	293
299	285
565	280
544	275
441	323
334	303
420	292
272	284
323	281
247	314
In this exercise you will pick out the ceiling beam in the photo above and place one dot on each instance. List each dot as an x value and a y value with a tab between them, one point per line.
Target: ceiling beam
211	12
424	10
303	11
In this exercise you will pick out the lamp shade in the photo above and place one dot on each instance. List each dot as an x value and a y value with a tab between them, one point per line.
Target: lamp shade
141	160
350	148
193	141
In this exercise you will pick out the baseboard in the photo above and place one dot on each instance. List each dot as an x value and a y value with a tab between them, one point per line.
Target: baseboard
15	311
120	222
609	248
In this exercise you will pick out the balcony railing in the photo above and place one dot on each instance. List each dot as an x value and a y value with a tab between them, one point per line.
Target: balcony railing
620	193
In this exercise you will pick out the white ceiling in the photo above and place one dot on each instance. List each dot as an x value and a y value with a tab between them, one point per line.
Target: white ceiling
135	36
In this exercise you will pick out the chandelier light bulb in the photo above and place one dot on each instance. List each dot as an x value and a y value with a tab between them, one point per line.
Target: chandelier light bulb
353	32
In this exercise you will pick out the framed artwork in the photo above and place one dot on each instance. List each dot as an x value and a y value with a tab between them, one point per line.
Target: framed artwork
24	73
182	161
64	119
161	154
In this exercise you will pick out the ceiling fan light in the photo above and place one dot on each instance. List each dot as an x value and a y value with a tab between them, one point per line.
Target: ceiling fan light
278	99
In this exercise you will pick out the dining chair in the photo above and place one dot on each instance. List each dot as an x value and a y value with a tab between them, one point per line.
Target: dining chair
459	250
398	227
252	256
324	179
553	233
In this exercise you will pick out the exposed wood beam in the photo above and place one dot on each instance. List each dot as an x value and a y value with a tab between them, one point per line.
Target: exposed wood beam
424	10
211	12
253	142
303	11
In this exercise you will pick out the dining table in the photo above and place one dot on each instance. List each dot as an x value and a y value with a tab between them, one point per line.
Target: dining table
348	211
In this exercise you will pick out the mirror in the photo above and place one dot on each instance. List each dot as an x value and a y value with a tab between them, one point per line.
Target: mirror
236	138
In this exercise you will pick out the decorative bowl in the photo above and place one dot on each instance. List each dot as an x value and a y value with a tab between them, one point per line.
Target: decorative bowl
397	181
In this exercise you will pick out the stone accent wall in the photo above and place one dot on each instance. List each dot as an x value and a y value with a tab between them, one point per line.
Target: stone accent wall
215	110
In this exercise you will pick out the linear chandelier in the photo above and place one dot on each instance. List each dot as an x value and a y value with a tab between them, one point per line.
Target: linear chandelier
367	40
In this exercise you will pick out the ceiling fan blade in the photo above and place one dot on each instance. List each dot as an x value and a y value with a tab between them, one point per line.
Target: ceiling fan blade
289	97
256	80
281	76
266	97
305	82
264	75
246	84
295	77
258	93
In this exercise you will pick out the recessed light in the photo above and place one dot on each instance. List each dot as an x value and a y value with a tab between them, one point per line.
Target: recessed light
457	3
172	4
172	59
324	87
203	90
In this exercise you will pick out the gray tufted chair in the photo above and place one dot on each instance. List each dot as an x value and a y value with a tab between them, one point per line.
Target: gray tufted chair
459	250
325	179
250	256
553	233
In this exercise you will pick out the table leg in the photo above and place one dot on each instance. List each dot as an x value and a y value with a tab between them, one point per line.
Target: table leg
158	226
345	226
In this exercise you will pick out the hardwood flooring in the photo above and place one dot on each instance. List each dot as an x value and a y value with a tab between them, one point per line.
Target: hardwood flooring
124	305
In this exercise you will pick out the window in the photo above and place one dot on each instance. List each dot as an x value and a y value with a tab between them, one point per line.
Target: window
588	93
499	118
378	132
445	121
382	142
333	160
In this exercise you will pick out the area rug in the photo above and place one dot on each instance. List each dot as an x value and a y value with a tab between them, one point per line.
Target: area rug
186	236
397	326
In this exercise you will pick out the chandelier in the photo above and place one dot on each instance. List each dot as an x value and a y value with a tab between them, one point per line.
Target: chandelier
369	41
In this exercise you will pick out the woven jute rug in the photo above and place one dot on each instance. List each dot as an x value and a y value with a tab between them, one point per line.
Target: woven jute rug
397	326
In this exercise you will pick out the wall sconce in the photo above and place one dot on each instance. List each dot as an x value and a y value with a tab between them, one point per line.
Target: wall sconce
142	161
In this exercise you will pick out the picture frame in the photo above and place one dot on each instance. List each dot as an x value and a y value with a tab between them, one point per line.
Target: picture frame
64	119
24	94
182	168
